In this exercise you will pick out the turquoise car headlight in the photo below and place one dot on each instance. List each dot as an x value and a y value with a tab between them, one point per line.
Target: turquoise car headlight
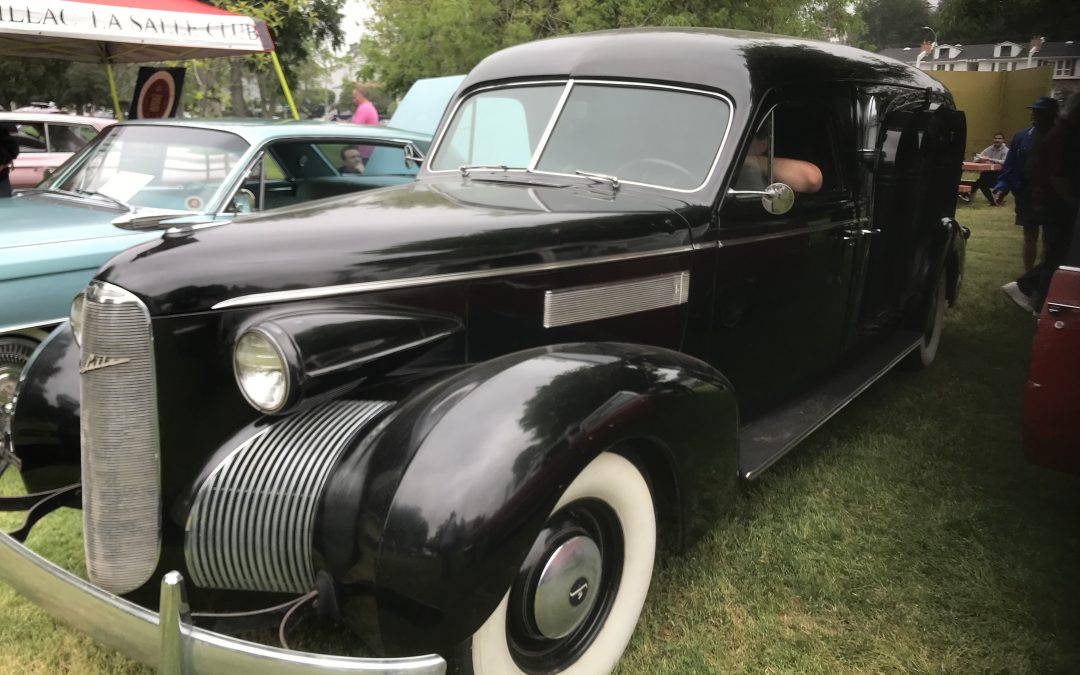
76	317
261	371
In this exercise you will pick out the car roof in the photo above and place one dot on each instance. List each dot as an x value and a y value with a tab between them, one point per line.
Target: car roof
59	118
256	130
737	62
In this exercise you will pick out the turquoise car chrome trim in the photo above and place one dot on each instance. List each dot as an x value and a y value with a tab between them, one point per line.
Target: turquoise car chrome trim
168	640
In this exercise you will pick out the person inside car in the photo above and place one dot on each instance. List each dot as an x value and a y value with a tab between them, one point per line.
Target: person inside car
801	176
352	160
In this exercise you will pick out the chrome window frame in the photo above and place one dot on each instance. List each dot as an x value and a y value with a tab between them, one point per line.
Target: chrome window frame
569	84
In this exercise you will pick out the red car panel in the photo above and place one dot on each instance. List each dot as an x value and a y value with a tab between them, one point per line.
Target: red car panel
1051	425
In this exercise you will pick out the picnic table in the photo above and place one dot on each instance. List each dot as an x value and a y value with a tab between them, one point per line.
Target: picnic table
967	186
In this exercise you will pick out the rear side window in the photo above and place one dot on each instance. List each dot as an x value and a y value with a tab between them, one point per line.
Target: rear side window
30	136
69	137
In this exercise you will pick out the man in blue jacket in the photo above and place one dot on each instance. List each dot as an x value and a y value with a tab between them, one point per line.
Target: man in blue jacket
1018	172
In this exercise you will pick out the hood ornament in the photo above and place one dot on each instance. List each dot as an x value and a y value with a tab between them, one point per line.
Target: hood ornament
93	362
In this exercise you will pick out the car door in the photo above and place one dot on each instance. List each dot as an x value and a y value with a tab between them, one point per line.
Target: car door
1052	396
912	174
783	291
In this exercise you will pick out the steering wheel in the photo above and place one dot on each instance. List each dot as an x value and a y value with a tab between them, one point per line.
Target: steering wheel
665	164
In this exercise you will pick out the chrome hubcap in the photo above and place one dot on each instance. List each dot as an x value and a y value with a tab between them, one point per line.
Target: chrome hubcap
565	592
14	352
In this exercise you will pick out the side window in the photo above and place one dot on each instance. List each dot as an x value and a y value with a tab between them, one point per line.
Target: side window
795	145
30	136
67	137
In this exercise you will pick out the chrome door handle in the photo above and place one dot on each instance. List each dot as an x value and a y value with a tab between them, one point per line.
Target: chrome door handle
1058	307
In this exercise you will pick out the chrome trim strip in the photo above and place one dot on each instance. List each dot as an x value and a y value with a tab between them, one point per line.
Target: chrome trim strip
1069	269
812	229
541	145
140	633
52	323
568	306
119	233
412	282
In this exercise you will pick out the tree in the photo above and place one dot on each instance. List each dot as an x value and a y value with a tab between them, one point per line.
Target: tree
298	28
409	40
893	23
975	21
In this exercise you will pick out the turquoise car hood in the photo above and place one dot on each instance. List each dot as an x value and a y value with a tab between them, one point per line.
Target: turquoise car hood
49	248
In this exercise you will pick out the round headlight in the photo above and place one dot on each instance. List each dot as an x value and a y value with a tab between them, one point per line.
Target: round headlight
261	371
76	317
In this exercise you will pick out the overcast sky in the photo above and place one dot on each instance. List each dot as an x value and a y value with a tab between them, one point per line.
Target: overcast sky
356	12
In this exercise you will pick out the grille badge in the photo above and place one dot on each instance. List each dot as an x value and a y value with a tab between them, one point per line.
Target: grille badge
93	362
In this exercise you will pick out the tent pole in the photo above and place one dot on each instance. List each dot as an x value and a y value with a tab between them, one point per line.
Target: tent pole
112	89
284	85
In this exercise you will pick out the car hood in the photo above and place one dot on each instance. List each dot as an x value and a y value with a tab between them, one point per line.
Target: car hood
415	230
37	218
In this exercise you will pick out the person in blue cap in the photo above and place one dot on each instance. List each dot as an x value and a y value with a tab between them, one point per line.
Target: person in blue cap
1028	180
1018	172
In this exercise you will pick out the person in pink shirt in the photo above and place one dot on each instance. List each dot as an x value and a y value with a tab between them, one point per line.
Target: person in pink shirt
365	114
365	109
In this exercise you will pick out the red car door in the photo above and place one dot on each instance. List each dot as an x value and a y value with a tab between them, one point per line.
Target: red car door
1051	426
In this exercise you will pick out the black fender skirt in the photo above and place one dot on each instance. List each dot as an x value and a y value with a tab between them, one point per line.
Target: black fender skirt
425	521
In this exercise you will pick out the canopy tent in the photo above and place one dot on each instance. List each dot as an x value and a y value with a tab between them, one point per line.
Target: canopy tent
130	31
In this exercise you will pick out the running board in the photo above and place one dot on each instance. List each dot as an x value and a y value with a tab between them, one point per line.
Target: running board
767	439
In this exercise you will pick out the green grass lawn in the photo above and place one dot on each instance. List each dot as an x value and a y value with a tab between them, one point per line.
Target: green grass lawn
907	536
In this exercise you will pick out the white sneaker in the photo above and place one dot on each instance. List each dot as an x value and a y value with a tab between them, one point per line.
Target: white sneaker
1012	289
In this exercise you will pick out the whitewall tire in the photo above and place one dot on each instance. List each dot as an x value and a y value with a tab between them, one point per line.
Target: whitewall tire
606	515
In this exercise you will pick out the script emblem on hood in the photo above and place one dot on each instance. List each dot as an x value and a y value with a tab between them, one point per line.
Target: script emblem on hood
93	362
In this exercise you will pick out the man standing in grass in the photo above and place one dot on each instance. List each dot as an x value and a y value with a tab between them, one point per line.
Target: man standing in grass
1055	187
1018	172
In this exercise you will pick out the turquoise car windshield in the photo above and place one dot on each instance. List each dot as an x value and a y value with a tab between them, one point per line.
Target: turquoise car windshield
165	167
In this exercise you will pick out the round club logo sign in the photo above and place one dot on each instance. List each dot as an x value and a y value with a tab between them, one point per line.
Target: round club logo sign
157	96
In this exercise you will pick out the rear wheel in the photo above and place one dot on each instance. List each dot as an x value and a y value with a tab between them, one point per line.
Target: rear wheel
578	595
932	324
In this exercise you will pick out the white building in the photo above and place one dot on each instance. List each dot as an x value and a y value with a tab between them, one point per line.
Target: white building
999	56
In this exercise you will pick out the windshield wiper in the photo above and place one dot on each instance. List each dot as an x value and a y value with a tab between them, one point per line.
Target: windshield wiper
466	168
114	200
614	180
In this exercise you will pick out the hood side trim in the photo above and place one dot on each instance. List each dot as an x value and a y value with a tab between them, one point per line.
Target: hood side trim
394	284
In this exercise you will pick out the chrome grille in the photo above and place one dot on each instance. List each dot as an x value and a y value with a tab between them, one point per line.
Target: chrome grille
252	521
120	466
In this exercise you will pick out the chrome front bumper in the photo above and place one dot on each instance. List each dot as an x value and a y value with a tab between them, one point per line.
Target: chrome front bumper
168	640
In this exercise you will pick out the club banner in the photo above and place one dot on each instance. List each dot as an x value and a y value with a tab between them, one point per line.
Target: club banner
157	93
165	28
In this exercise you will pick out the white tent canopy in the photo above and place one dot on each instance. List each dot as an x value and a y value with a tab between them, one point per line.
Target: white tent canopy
130	31
126	31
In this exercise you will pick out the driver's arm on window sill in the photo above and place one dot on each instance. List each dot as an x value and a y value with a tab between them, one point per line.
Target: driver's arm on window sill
800	176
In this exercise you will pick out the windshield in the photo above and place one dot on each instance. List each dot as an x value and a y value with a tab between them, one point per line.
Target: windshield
177	168
638	134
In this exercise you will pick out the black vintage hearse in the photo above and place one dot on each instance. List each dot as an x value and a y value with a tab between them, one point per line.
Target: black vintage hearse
457	415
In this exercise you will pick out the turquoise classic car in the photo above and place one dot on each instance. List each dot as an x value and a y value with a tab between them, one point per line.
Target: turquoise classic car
141	177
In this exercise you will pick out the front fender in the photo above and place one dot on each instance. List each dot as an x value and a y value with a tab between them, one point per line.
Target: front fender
45	426
425	524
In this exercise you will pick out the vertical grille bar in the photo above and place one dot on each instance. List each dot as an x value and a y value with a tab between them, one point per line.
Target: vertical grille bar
120	441
253	519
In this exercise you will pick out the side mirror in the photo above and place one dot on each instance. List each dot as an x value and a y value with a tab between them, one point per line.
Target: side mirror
413	156
776	199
